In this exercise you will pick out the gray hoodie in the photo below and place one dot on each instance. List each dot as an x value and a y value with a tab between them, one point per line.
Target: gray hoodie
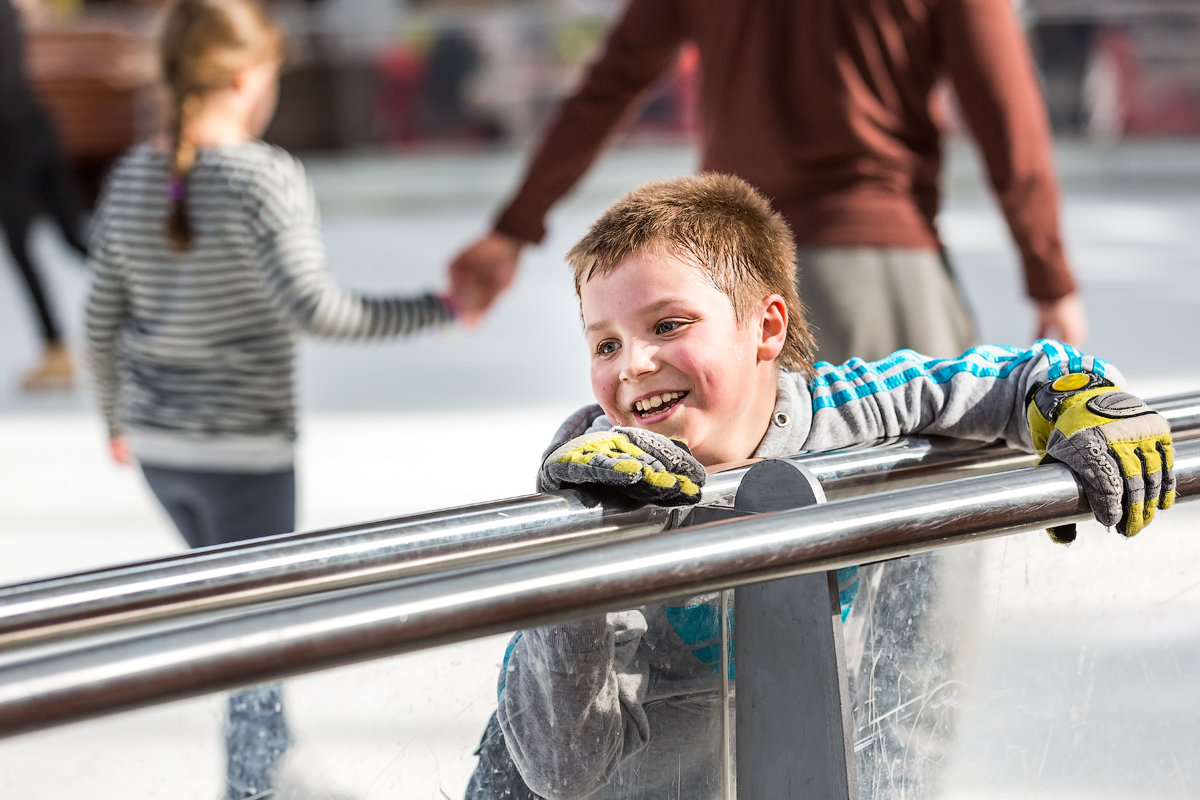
628	704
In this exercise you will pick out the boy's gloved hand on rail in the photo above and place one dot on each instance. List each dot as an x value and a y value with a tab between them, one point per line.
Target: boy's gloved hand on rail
625	464
1113	441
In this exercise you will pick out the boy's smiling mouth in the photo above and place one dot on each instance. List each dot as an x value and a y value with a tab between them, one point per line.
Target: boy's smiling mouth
656	404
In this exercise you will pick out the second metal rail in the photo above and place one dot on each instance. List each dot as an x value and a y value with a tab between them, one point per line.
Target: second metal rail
295	565
101	674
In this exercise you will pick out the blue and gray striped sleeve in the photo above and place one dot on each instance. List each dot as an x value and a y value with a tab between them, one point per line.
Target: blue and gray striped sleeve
980	395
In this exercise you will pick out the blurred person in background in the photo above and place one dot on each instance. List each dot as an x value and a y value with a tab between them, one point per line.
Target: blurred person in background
834	111
34	180
208	262
1063	34
446	110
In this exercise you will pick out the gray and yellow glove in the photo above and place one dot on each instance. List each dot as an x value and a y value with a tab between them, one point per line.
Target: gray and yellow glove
1112	440
625	464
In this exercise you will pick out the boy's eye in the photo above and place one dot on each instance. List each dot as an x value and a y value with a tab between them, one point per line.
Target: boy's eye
607	348
667	326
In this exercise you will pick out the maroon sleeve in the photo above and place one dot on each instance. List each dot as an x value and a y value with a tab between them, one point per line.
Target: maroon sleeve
640	47
989	63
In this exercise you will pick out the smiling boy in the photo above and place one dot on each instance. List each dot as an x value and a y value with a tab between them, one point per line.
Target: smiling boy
695	333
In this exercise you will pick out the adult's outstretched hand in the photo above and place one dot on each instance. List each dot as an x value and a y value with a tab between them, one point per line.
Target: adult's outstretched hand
481	272
1063	319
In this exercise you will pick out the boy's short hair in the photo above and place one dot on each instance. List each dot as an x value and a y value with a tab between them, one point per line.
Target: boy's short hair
723	226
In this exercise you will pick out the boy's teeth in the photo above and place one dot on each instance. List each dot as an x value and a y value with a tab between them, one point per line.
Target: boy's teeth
656	401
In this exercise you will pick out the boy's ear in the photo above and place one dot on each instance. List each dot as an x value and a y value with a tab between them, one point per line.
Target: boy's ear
773	323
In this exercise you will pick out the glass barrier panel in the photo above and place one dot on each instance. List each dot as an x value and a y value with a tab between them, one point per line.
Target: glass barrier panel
1013	668
1018	668
405	727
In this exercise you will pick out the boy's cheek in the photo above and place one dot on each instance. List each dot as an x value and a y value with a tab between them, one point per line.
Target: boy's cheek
604	392
617	417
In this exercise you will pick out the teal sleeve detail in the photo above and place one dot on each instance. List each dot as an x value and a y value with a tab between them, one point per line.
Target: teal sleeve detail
847	580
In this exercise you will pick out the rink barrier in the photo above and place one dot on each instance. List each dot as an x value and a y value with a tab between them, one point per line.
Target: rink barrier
91	675
301	564
1110	12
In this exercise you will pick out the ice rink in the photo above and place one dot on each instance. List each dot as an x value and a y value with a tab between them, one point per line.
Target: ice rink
1086	684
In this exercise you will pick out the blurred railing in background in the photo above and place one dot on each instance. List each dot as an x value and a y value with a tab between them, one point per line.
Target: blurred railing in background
438	74
363	74
1118	68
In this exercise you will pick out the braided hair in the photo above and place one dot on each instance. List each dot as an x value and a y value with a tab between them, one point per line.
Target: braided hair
202	47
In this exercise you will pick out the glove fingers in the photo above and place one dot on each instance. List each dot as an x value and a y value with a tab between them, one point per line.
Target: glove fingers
669	474
1152	464
659	475
1144	465
1167	451
623	443
1140	516
663	481
1088	456
672	496
555	475
671	455
1139	510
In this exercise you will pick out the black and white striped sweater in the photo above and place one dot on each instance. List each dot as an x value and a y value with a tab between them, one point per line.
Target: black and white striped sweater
193	353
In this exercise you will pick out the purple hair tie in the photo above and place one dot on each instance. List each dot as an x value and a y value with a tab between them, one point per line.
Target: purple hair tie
176	190
451	304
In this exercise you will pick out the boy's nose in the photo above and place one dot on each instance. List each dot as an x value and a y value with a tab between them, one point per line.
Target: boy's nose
639	360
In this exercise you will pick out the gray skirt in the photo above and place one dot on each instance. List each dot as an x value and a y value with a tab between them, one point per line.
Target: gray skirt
870	301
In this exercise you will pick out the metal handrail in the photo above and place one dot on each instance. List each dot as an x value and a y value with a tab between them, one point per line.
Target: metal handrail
101	674
294	565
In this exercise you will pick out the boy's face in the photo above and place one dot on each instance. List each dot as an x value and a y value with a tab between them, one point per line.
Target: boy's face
667	354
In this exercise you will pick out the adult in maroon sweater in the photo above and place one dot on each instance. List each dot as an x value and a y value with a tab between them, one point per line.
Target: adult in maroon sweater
831	109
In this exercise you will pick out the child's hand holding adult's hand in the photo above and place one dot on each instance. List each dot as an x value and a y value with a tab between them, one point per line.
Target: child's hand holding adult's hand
625	463
119	447
481	273
1112	440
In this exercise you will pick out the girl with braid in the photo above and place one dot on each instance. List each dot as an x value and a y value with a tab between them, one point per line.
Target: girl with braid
208	263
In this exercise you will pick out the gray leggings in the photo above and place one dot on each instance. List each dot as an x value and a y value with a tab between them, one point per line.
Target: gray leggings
212	508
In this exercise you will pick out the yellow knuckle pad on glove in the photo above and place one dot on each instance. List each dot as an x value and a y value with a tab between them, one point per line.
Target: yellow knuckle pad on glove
1061	412
666	480
627	465
613	447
